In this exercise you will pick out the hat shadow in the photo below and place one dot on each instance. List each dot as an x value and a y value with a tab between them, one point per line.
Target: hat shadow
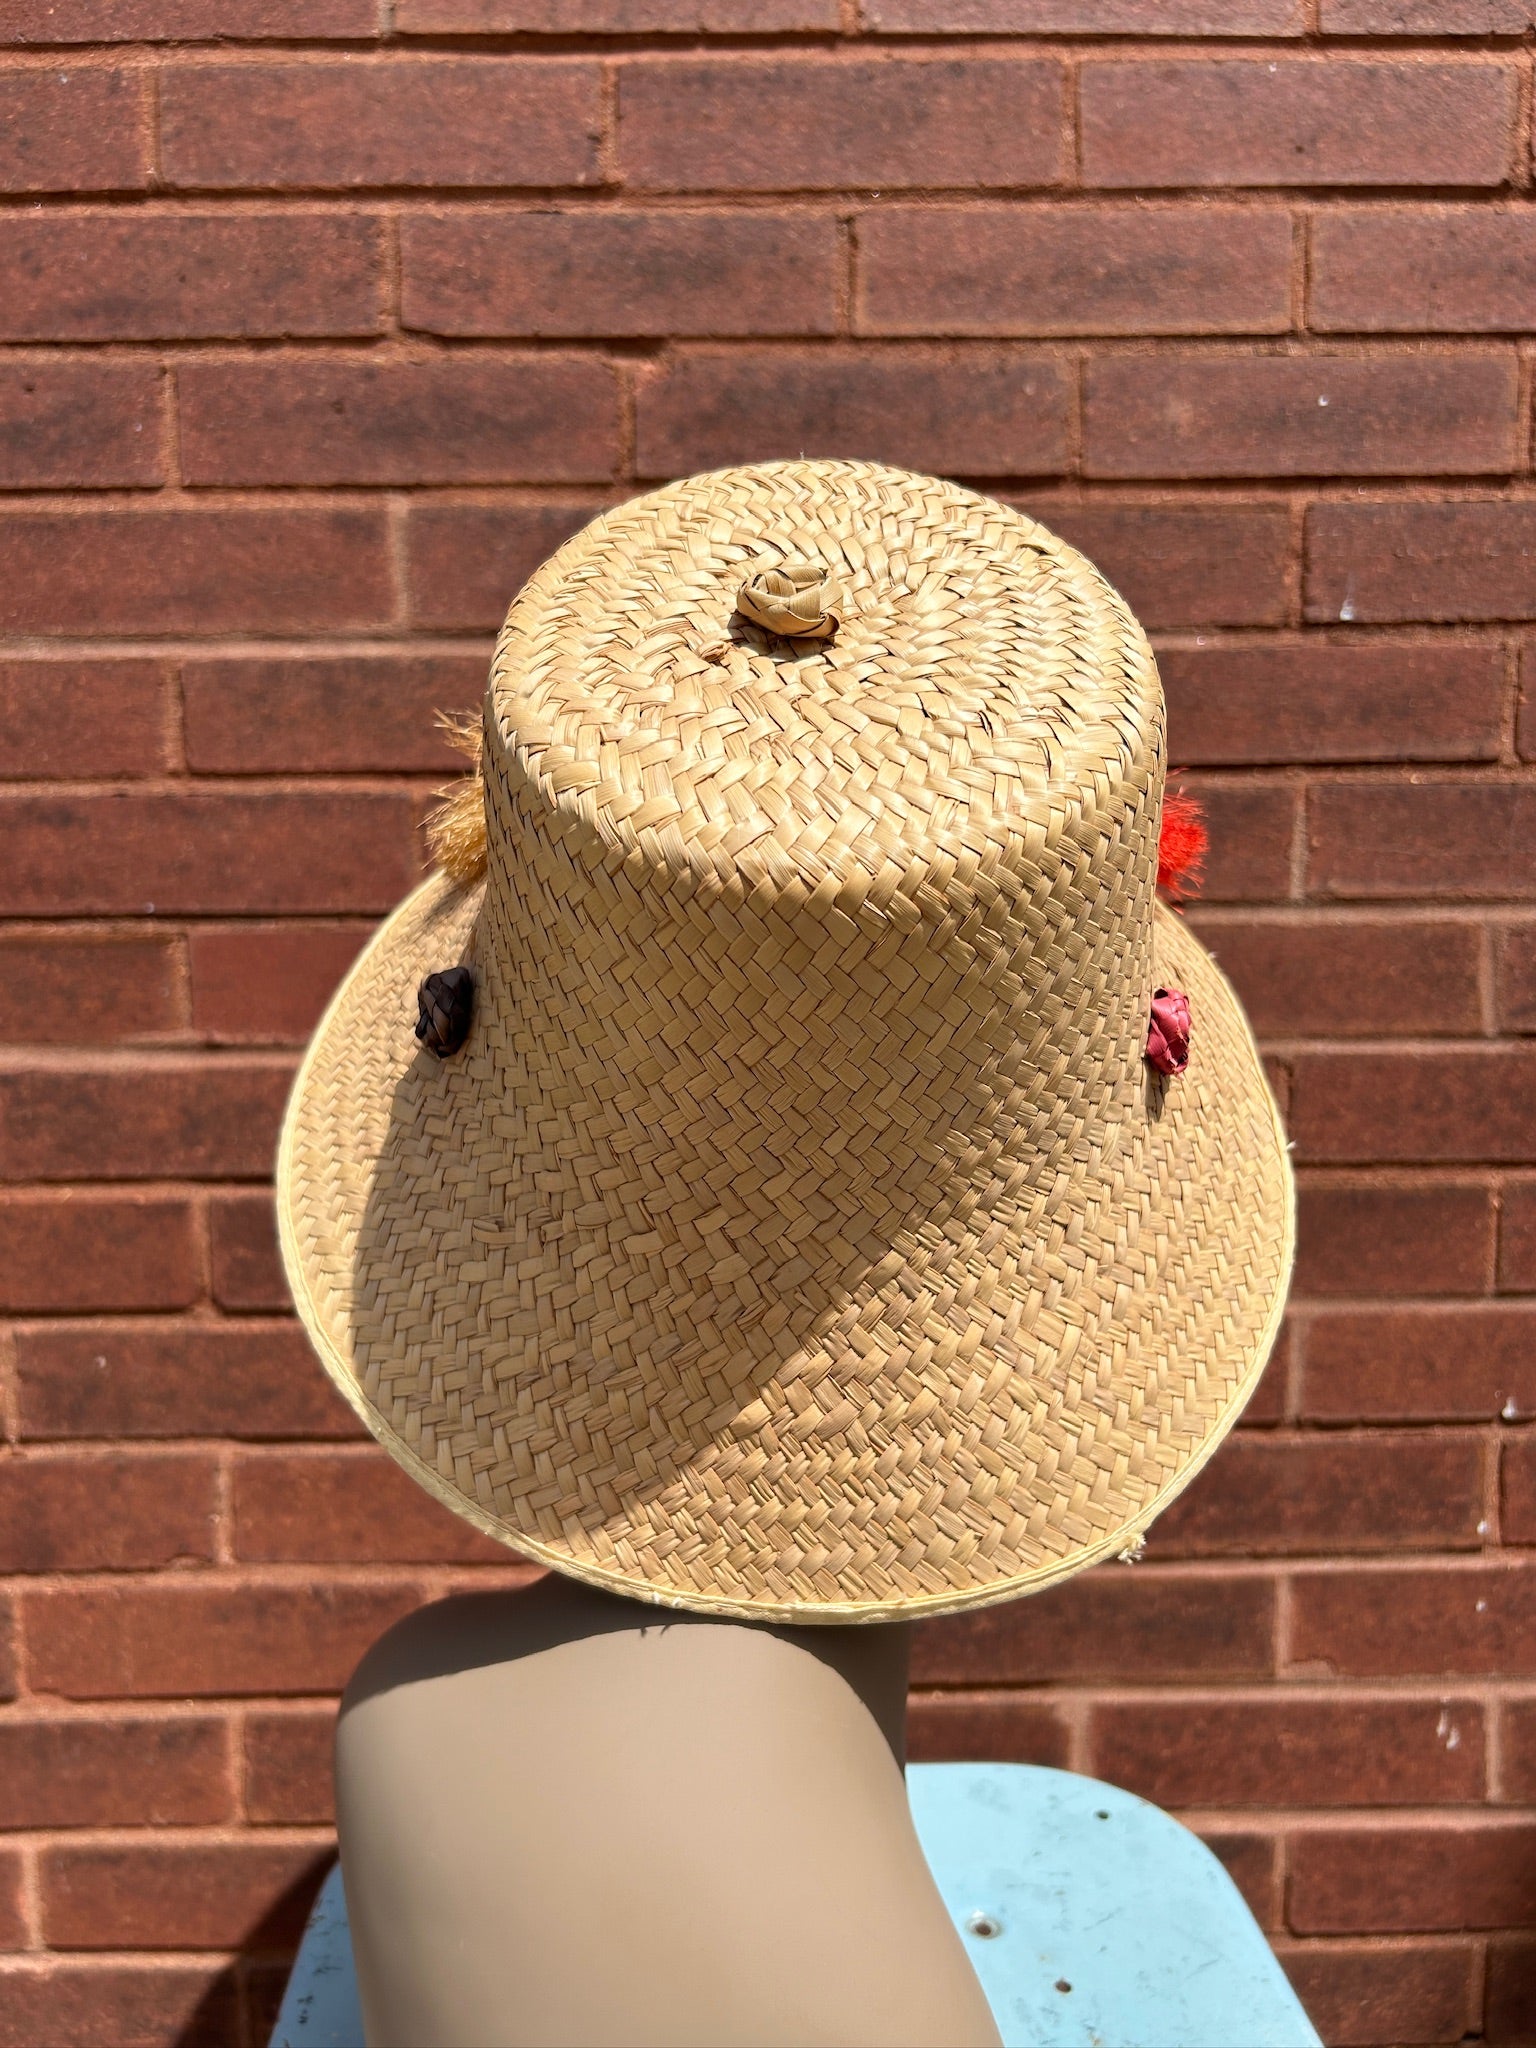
680	1387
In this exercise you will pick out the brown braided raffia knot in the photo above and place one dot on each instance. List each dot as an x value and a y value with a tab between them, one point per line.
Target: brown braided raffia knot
795	598
799	1232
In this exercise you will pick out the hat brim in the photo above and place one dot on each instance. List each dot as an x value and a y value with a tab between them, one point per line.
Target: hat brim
1143	1344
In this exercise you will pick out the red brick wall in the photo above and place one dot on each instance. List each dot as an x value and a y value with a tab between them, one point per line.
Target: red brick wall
315	339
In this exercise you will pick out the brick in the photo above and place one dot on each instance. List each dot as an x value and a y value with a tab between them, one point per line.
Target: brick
1426	17
267	984
13	1910
985	1728
1277	1074
186	21
1291	1752
1333	976
406	120
185	1115
1511	1991
994	270
9	1685
105	1511
1405	1622
593	274
171	1639
45	707
1461	1364
345	1507
87	1250
1266	1496
1525	713
1463	1874
1295	121
85	426
1267	1404
1517	1237
58	990
188	276
1252	1862
242	1238
1087	17
1375	563
1517	1479
1515	976
70	1771
307	715
1199	416
1405	1238
467	418
1358	1995
613	17
203	571
1517	1745
825	123
263	1985
974	410
465	563
170	852
167	1379
58	2002
1422	270
186	1895
1473	1105
1435	836
1183	564
288	1767
1245	703
1119	1622
1252	825
81	130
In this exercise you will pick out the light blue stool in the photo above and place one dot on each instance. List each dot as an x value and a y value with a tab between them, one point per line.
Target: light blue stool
1093	1921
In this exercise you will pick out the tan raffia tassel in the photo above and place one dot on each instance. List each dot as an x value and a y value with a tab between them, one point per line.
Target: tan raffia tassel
456	829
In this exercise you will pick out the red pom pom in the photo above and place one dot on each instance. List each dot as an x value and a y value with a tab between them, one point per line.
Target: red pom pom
1181	845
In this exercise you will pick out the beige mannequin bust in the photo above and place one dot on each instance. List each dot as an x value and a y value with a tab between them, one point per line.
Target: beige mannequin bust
570	1818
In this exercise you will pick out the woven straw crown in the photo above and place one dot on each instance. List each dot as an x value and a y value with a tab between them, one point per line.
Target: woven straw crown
800	1232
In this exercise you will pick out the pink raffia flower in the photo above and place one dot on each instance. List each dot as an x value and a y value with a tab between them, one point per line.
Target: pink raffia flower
1168	1033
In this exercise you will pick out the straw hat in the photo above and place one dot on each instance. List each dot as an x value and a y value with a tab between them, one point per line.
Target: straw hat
800	1230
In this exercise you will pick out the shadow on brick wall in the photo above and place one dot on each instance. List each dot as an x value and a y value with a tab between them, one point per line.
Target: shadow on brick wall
238	2009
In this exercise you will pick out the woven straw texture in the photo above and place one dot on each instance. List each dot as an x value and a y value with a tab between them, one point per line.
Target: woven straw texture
800	1232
